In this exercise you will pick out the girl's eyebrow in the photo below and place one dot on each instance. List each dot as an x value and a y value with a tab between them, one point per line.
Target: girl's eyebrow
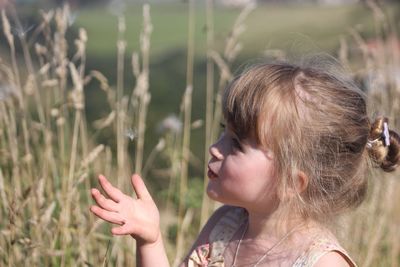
228	127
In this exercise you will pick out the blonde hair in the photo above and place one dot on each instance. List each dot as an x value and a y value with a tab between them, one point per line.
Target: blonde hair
314	122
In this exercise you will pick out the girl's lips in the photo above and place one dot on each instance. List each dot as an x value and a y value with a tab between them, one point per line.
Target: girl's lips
211	174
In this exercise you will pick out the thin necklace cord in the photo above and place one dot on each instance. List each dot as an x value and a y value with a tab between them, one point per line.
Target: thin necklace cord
268	250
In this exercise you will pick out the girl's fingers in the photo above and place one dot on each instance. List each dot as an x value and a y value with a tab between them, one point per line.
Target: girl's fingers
103	202
139	187
121	230
111	191
106	215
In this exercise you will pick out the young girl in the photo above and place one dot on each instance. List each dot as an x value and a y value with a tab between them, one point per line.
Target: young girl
291	159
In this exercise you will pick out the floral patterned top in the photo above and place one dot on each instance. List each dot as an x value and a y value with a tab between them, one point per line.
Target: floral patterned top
211	254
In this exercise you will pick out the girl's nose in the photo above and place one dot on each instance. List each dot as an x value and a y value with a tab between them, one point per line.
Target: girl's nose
215	152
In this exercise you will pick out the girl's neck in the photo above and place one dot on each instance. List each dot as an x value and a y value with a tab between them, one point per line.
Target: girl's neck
271	226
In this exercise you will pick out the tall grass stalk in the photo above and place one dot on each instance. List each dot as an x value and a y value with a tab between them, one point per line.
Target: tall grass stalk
205	204
141	95
14	76
30	68
79	104
121	46
119	127
174	142
10	39
187	116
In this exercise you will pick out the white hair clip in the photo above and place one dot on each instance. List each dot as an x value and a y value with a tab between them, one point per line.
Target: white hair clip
385	134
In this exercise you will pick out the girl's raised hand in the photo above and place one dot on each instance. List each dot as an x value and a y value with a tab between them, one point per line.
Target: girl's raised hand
138	217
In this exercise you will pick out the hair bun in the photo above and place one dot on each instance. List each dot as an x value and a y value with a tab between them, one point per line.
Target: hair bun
384	145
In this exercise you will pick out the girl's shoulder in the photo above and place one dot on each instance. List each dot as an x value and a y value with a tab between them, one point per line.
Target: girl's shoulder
223	222
215	235
225	229
322	247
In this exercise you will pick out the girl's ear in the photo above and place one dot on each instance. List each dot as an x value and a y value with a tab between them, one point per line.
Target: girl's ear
301	182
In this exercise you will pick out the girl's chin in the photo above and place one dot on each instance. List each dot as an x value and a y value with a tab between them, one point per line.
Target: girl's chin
211	192
216	195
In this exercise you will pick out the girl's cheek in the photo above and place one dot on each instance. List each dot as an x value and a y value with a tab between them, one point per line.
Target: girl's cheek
227	172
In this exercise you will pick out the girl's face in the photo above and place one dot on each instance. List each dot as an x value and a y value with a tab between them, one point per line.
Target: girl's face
241	173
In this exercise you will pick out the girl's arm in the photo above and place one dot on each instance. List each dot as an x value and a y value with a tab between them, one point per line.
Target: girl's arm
151	254
138	217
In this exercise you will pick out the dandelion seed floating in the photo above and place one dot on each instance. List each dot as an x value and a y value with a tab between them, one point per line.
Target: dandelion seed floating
131	134
22	31
170	124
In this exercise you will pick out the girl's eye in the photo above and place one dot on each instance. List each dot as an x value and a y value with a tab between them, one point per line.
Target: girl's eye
236	143
222	125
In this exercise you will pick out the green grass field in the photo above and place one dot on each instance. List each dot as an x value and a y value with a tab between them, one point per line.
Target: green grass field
291	28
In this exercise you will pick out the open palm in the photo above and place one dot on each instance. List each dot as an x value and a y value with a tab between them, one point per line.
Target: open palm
138	217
